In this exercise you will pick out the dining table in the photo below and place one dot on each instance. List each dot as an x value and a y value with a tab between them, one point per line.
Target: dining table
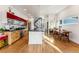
63	34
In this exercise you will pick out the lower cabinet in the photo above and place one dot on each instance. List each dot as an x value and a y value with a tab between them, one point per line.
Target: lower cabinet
12	36
16	35
3	40
1	43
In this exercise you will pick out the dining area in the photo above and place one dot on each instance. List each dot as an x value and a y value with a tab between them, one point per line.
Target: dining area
60	34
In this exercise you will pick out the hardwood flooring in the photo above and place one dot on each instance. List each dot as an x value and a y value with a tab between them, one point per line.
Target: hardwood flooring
50	45
21	46
62	45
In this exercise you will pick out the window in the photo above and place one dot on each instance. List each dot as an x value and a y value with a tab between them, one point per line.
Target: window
69	21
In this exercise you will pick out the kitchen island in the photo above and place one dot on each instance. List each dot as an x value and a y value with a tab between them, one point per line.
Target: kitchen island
35	37
15	35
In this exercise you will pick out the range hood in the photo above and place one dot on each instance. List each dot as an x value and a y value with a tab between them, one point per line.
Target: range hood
14	17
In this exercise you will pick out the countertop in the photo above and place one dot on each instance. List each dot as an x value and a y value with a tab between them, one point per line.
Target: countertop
14	30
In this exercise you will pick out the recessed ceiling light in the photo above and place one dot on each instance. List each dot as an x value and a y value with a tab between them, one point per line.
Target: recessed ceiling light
29	14
25	9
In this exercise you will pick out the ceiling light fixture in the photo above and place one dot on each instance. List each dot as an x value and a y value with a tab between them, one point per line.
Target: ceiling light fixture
25	9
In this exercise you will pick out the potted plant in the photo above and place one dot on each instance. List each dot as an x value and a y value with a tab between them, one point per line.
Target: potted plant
1	31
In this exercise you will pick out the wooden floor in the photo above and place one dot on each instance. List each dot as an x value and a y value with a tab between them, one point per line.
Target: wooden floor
21	46
62	45
50	45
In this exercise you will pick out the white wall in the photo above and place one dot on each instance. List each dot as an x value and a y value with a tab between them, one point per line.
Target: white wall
32	23
3	10
71	11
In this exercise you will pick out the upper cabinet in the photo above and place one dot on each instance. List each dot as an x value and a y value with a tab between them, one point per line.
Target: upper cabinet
13	17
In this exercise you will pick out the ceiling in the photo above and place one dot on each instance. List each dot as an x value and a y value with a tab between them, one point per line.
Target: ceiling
36	10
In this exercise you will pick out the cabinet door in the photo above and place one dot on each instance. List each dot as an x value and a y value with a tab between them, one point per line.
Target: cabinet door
15	35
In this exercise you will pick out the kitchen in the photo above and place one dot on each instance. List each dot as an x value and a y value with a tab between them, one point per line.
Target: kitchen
25	29
13	28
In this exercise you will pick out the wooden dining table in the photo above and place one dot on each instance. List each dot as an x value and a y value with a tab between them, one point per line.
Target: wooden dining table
63	34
